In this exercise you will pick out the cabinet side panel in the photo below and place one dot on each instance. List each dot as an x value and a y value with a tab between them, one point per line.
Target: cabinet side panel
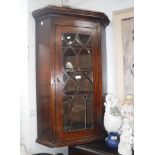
43	78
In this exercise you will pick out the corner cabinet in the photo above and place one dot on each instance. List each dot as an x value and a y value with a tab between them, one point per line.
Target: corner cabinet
68	75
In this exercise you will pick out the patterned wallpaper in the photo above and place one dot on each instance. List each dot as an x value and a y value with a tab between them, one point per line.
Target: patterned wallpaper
128	55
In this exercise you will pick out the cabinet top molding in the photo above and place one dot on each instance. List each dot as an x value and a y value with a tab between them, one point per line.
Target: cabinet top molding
66	11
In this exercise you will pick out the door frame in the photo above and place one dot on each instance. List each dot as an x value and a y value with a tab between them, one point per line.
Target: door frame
77	134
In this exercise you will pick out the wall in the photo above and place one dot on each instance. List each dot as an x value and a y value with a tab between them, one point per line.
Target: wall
108	7
28	95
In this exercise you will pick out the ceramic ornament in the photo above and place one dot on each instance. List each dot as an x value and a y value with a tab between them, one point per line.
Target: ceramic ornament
126	139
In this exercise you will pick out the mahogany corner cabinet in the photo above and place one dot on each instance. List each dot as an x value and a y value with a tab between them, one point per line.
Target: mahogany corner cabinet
69	75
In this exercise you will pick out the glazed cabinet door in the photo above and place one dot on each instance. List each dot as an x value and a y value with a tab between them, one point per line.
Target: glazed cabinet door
78	80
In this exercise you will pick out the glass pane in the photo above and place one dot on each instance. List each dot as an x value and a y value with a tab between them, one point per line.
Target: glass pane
78	81
65	76
67	113
83	38
85	86
69	59
78	76
77	42
89	112
89	43
70	87
67	39
85	58
78	113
